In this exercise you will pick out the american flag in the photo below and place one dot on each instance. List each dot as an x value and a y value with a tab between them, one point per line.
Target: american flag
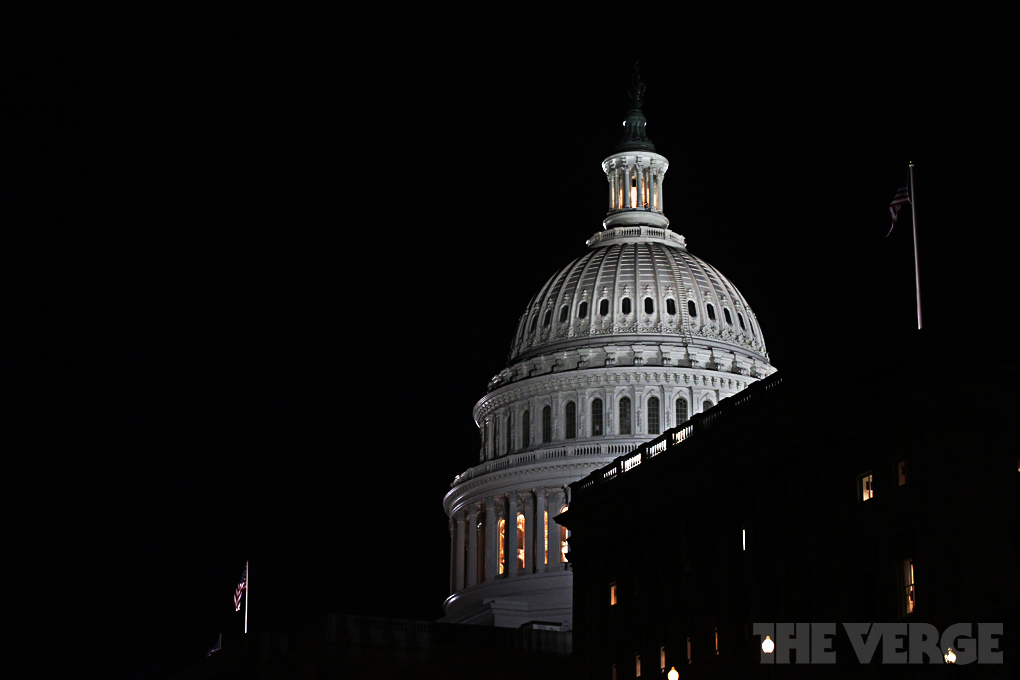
902	197
240	589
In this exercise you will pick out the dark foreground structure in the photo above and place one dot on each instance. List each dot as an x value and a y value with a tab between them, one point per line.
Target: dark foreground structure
371	648
893	496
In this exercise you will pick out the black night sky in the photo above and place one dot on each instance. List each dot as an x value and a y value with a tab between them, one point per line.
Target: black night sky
270	262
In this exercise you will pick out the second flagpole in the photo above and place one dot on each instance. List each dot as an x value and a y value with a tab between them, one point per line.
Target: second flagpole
917	269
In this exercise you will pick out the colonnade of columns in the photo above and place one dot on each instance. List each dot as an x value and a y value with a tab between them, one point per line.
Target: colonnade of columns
633	184
475	537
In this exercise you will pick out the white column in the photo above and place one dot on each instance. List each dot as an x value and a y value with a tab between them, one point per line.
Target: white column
530	524
555	496
626	185
640	185
491	539
511	534
472	545
658	184
459	530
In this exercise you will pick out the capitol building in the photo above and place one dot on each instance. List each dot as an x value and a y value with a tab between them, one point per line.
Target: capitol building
633	337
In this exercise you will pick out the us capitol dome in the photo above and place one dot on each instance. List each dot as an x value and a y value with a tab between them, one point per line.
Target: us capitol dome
630	339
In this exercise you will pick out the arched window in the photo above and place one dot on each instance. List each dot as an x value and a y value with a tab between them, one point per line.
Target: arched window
546	424
596	418
649	306
520	541
625	415
582	310
750	325
526	430
501	550
564	310
534	322
653	415
548	316
681	410
509	432
571	420
604	307
625	306
692	309
707	405
671	307
564	535
726	313
711	311
740	320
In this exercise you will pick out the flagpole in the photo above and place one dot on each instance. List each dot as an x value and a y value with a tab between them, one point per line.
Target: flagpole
917	269
247	574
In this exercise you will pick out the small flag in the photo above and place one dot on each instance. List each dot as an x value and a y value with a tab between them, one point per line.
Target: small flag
241	587
902	197
217	646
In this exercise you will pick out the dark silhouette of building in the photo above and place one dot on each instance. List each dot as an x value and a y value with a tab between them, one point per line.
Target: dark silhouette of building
892	494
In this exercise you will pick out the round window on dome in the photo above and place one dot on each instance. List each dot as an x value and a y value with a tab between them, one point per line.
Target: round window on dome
625	306
692	309
604	308
671	307
649	305
582	310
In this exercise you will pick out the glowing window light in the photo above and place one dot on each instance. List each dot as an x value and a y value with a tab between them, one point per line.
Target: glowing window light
501	553
546	543
673	674
564	535
612	594
520	541
950	657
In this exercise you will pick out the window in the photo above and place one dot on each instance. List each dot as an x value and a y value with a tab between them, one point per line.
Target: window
612	593
571	420
726	313
692	309
688	650
908	584
743	539
526	430
649	306
495	437
625	415
596	418
662	659
509	432
653	415
604	307
582	310
902	470
707	405
614	671
671	307
546	542
625	306
501	551
520	540
740	319
710	310
548	316
865	489
751	326
716	640
534	322
681	411
564	538
546	424
564	310
637	665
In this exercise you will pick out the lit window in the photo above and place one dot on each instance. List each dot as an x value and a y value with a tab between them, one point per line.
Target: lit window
546	542
649	306
582	310
596	418
653	415
716	640
692	309
520	540
688	650
625	415
526	429
509	432
548	316
612	594
501	552
865	487
662	658
740	320
637	665
726	313
711	311
625	306
564	310
902	469
571	420
546	424
564	536
743	539
604	308
681	410
671	307
908	583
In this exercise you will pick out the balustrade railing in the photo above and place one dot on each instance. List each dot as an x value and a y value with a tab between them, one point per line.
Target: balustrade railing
529	457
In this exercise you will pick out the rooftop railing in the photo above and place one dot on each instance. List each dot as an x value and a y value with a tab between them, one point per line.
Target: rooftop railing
530	457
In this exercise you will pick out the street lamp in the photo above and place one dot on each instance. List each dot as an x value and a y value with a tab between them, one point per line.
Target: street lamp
673	675
767	645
